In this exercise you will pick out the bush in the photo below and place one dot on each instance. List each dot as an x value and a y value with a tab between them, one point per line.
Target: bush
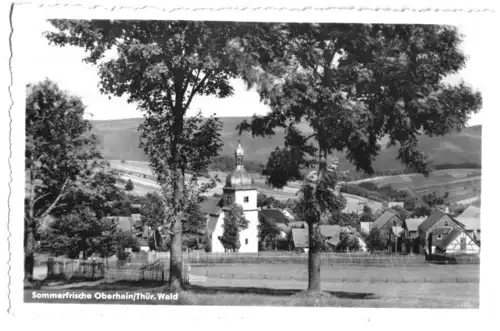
129	186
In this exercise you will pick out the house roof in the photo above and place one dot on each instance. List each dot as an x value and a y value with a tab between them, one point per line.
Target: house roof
384	218
397	230
412	224
298	225
274	215
143	242
210	206
433	218
290	211
330	231
283	227
125	223
470	218
211	224
442	231
454	234
300	238
394	204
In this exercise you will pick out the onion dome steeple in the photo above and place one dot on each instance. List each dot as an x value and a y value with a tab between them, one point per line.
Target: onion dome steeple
239	177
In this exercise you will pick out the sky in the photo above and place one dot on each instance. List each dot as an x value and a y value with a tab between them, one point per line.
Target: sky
65	67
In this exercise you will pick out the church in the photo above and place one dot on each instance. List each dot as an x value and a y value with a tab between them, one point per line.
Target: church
239	188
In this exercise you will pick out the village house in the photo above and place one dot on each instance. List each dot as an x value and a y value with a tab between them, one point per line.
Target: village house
457	242
331	233
437	236
300	240
396	238
471	219
410	235
365	228
386	221
437	219
275	218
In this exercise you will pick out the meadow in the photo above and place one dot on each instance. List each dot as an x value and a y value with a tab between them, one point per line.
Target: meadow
426	290
335	272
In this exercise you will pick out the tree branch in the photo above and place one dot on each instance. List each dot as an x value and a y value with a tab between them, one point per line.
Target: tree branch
54	204
195	90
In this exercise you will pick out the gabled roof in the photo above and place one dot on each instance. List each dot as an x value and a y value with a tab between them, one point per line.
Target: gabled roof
211	224
433	218
290	211
137	218
454	234
412	224
470	218
442	231
330	231
125	223
384	218
210	206
300	238
274	215
298	225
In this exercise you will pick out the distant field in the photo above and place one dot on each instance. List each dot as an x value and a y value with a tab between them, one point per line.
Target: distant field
461	184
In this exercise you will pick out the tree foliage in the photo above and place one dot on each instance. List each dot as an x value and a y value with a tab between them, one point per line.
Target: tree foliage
234	222
355	85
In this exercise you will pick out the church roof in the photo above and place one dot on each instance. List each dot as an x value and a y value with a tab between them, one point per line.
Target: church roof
239	178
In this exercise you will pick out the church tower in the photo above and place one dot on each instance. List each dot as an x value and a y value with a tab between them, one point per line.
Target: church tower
240	189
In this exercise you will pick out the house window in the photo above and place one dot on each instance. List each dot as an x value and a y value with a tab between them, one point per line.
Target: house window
445	223
245	199
394	223
246	241
463	244
439	237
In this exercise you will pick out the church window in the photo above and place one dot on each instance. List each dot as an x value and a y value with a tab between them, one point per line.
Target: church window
245	199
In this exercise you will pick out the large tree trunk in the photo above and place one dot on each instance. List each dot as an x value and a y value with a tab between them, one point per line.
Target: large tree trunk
176	281
176	256
314	261
29	258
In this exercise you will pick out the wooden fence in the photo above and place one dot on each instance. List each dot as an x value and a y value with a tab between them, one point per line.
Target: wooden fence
111	270
282	257
297	258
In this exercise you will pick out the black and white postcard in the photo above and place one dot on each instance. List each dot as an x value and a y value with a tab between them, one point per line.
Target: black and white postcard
265	157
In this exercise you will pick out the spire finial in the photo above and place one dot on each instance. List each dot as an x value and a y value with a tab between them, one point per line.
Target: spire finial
239	153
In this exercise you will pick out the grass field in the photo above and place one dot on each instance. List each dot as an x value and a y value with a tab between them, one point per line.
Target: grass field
283	290
424	272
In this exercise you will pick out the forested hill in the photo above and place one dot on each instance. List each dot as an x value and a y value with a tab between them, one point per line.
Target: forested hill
119	139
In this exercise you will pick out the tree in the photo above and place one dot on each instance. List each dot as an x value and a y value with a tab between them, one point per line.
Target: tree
129	186
61	161
348	242
161	66
354	85
234	222
377	240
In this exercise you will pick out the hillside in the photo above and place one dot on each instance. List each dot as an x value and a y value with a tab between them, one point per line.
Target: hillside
119	139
